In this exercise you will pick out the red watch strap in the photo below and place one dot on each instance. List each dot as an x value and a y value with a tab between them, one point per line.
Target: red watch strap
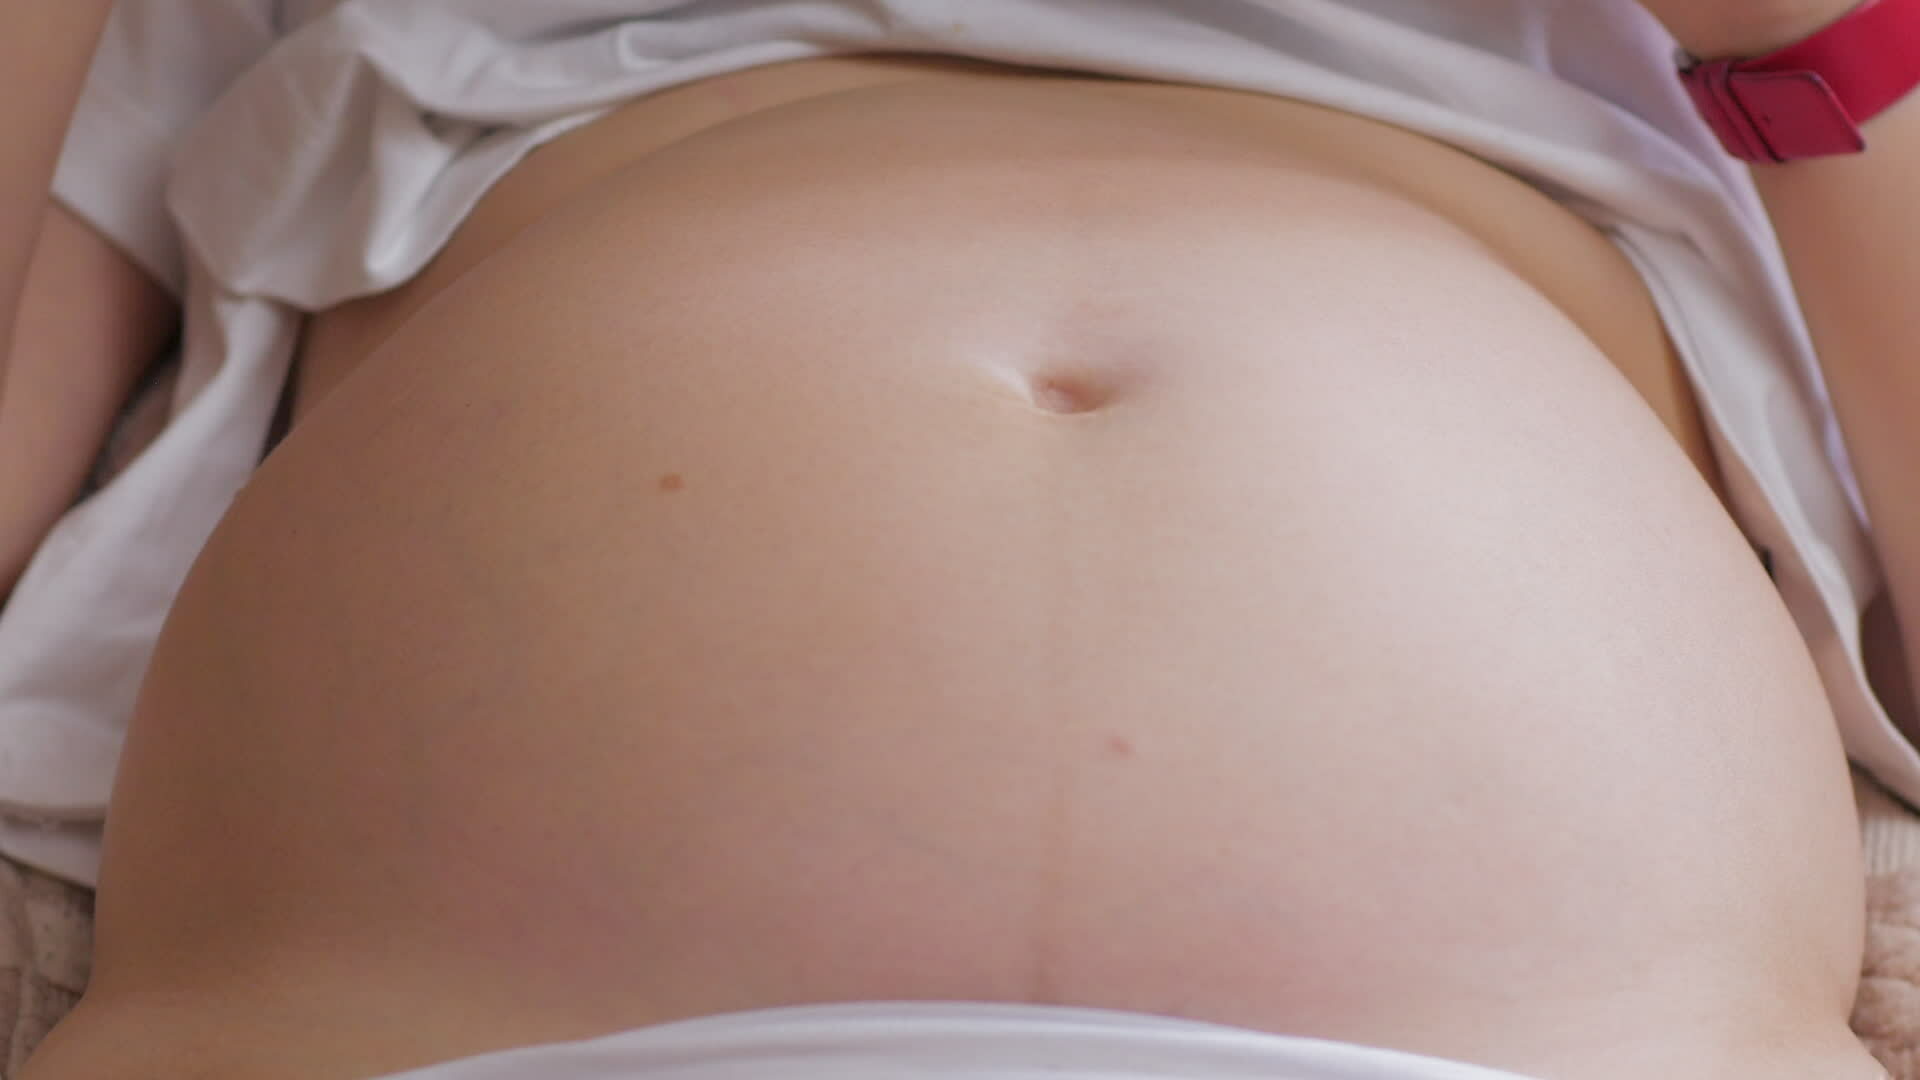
1808	99
1869	57
1772	117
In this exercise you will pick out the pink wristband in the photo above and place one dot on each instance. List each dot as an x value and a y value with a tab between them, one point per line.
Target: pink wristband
1810	98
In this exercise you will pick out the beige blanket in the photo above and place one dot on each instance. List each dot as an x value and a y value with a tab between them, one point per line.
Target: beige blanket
1887	1013
46	938
46	942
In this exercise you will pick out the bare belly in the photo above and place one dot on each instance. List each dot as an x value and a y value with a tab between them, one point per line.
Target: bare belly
996	537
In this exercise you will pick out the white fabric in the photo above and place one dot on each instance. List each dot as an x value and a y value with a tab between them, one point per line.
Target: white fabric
309	152
925	1041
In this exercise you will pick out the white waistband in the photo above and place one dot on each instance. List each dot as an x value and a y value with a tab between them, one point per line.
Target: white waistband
952	1041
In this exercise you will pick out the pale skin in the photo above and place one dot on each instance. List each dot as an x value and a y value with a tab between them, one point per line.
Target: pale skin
77	318
1812	972
62	376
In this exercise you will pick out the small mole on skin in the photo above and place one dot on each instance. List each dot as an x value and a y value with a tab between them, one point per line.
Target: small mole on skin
672	481
1120	746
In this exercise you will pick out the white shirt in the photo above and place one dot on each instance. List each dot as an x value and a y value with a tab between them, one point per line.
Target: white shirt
266	159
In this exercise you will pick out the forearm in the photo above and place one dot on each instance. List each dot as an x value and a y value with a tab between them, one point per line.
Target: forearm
77	318
1850	228
89	321
44	49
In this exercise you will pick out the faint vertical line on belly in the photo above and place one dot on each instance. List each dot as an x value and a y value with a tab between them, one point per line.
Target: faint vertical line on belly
1053	680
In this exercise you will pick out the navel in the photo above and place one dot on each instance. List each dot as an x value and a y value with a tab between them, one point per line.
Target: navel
1067	394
